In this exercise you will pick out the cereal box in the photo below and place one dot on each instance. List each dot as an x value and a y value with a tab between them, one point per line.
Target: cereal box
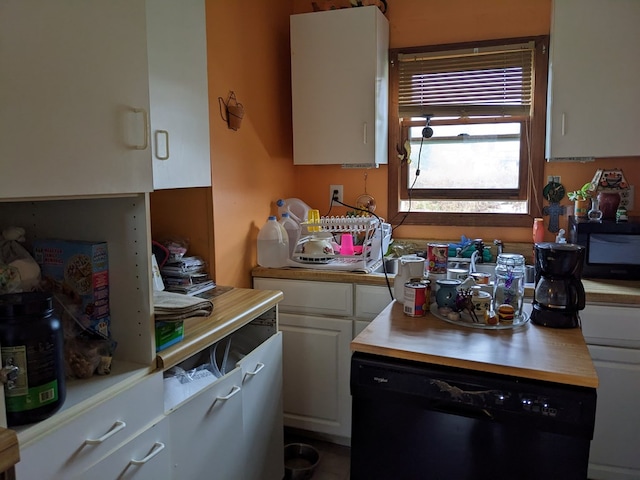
78	273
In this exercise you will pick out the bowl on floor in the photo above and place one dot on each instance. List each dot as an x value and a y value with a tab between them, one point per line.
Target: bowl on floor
300	461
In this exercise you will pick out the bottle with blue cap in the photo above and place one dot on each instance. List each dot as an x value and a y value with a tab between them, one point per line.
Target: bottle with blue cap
273	244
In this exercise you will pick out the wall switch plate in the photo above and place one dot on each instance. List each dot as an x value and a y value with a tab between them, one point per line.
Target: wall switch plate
337	191
553	178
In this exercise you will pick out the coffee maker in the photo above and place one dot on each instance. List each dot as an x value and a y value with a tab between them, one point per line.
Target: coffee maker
559	293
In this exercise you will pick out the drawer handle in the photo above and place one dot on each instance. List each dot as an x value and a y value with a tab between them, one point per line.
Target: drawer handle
156	449
233	391
119	425
259	367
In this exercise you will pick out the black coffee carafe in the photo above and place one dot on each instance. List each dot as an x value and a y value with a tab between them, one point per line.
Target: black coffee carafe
559	293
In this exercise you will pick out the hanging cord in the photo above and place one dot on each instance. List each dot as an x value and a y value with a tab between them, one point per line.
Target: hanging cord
413	184
384	266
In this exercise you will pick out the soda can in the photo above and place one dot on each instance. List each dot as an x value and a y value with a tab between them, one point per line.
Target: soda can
437	257
416	297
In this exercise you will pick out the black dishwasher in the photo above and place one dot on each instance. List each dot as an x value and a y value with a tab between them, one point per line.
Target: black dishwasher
421	421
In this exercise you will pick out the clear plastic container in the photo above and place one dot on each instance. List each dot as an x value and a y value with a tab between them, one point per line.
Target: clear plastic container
509	282
293	231
273	244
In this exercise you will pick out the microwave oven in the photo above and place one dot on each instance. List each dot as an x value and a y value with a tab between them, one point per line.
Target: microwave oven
612	249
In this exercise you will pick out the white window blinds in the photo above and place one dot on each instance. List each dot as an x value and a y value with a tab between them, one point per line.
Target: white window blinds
488	81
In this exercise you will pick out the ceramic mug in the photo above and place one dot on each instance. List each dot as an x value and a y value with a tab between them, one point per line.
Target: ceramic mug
318	246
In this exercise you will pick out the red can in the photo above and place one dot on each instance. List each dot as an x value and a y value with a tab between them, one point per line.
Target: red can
416	297
437	256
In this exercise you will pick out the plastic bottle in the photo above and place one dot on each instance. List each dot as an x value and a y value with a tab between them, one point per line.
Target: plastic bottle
296	208
293	231
273	244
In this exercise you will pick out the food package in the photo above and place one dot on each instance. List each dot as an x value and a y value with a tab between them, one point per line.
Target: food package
77	273
19	272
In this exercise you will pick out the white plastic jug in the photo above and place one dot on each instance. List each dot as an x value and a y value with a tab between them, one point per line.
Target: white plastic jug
293	231
273	245
296	208
409	266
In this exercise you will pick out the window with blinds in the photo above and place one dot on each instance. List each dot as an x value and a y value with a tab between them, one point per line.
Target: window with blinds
482	155
470	82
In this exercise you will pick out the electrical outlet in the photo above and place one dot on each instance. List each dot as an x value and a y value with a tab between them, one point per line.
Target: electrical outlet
553	178
335	193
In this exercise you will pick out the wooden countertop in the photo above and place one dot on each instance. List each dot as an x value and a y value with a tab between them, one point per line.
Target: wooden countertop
540	353
623	292
231	310
9	451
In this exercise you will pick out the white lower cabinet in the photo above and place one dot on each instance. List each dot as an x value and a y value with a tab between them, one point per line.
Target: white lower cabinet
98	432
613	337
206	432
145	457
232	428
318	320
316	356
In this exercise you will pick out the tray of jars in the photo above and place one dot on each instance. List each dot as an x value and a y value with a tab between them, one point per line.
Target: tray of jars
479	320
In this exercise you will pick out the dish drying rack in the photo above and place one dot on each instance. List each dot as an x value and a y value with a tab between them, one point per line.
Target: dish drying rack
375	234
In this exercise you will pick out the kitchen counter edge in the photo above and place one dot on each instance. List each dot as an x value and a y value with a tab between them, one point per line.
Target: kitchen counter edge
607	291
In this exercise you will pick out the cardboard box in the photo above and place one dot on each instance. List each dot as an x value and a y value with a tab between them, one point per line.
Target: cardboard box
168	333
78	273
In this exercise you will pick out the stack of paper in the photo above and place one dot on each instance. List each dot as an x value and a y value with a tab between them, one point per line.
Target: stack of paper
172	307
187	276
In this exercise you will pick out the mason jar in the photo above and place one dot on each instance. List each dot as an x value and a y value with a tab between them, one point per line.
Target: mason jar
508	286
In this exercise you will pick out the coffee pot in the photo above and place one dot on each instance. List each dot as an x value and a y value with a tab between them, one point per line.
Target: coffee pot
409	267
559	294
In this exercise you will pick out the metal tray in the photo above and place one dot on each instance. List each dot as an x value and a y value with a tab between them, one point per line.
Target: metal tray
466	321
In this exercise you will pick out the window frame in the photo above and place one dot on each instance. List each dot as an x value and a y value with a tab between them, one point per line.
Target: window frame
531	173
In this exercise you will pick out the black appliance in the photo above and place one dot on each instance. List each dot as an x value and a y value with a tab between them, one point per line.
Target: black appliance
419	421
558	293
612	248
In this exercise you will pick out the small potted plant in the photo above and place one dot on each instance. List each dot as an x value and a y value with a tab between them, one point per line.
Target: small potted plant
581	199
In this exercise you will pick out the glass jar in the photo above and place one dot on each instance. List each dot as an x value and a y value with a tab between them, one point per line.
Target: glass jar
508	286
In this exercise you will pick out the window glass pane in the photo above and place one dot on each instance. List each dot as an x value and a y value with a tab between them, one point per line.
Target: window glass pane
469	156
465	206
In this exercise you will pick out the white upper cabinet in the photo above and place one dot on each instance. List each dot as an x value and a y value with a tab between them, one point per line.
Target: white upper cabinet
339	83
593	94
178	90
74	98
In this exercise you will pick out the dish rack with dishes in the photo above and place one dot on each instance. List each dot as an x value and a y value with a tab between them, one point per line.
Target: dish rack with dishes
372	234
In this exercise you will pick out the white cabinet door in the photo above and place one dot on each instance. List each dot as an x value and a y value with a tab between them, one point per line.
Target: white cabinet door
206	433
262	410
145	457
316	353
593	89
75	98
616	439
178	90
339	81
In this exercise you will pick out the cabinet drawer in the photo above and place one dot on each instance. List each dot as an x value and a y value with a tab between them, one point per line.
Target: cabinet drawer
371	300
301	296
88	438
608	325
145	457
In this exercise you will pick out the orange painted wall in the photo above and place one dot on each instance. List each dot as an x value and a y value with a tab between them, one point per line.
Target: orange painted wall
248	52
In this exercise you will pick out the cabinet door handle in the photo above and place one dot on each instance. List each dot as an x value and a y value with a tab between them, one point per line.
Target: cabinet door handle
259	367
119	425
233	391
145	120
166	144
562	125
156	449
364	133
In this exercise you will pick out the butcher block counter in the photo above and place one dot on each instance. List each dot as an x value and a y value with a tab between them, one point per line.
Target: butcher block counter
528	351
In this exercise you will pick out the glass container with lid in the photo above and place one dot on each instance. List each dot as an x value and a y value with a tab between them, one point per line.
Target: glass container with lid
509	282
